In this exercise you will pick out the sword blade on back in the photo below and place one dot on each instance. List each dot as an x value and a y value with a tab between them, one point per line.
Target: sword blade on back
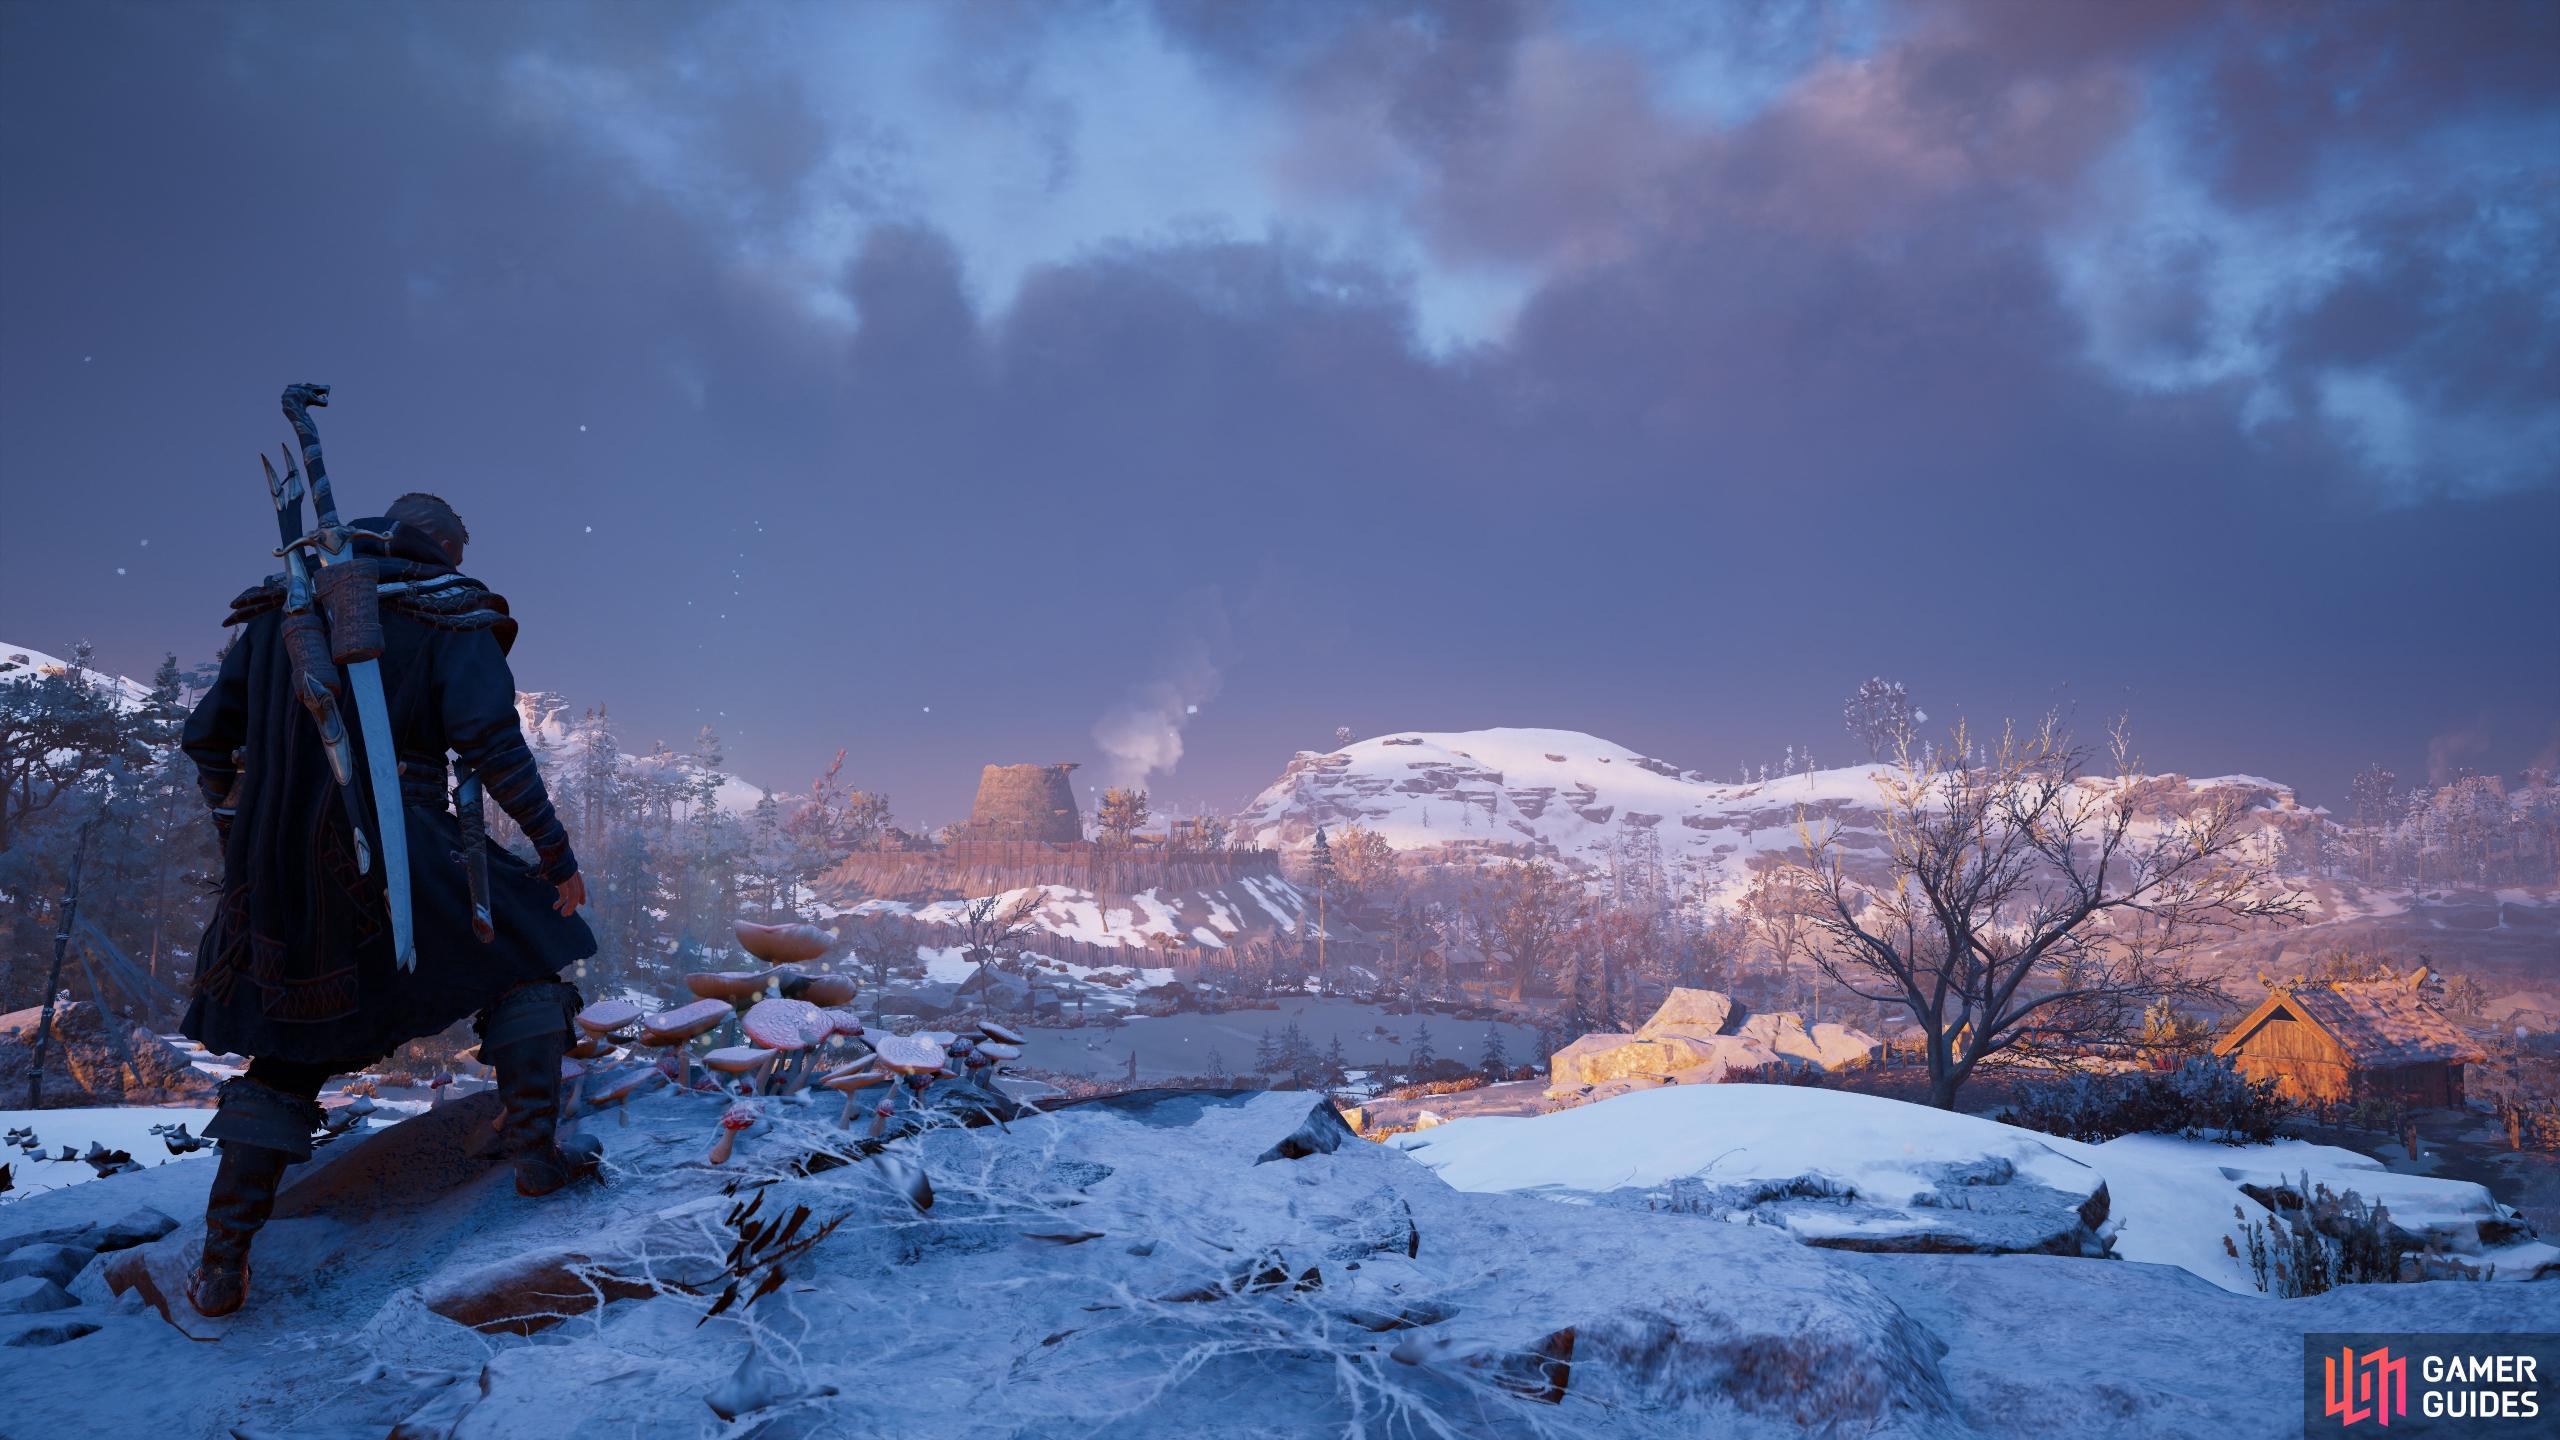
345	595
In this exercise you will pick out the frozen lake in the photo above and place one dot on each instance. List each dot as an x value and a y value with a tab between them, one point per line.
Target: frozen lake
1175	1045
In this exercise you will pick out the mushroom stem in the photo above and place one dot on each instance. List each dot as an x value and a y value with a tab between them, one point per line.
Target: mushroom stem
720	1147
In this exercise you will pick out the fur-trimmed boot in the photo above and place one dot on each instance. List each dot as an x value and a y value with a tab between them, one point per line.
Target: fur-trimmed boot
262	1130
522	1037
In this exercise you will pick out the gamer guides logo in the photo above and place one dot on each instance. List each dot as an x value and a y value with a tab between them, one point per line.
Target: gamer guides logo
2426	1385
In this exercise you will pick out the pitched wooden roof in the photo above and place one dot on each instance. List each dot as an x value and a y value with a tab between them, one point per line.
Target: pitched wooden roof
2379	1023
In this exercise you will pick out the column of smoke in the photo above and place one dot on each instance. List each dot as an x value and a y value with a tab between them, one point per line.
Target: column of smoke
1142	735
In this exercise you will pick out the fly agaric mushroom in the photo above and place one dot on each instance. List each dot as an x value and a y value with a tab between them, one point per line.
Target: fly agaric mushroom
740	1115
677	1029
618	1089
912	1058
997	1055
783	944
598	1025
908	1054
818	989
436	1087
606	1016
788	1026
571	1073
852	1081
741	988
739	1060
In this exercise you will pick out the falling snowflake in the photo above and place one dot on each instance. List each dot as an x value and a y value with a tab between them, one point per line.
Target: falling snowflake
582	429
119	569
591	529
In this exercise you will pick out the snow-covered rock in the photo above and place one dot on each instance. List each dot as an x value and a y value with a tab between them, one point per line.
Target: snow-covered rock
1829	1168
1685	1042
1860	1171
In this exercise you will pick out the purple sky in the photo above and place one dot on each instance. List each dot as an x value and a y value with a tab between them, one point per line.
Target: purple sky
1658	372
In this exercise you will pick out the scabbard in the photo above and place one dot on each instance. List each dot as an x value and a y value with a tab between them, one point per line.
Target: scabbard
471	815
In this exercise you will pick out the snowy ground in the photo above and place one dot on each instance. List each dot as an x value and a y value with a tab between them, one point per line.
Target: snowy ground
121	1127
117	1127
1888	1168
1154	1267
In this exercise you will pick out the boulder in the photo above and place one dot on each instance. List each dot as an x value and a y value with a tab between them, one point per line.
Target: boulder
1598	1059
139	1226
85	1064
46	1330
30	1294
57	1263
925	1002
1684	1044
1690	1012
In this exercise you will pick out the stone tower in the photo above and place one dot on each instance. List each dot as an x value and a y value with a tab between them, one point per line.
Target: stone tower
1027	802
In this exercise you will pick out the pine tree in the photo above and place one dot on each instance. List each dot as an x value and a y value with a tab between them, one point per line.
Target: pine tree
1297	1058
1421	1058
1266	1054
1320	867
1495	1062
1549	1042
1337	1066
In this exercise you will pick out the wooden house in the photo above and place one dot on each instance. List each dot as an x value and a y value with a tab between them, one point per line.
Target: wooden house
2350	1039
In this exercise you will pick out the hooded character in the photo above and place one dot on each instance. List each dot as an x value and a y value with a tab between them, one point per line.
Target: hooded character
296	970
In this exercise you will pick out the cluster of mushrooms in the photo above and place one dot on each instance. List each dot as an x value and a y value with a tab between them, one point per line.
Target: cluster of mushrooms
792	1032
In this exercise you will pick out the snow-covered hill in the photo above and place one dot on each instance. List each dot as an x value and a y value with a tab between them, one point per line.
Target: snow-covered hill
545	723
1592	804
18	662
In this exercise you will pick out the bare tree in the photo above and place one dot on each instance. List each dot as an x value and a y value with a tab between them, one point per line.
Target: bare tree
1881	715
1533	906
2028	910
993	925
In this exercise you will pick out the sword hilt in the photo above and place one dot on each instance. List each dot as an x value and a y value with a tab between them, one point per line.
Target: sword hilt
332	539
299	401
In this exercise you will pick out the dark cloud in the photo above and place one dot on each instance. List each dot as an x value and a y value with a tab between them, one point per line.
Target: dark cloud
1938	358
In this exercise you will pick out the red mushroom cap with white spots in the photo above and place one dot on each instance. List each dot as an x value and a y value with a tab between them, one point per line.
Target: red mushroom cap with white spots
738	1059
782	944
606	1016
908	1054
674	1027
786	1024
726	984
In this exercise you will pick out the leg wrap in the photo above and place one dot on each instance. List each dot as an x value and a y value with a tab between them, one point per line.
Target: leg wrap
539	1009
259	1115
263	1130
522	1037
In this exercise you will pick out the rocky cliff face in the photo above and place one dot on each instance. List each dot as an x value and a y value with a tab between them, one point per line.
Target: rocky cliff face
86	1064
